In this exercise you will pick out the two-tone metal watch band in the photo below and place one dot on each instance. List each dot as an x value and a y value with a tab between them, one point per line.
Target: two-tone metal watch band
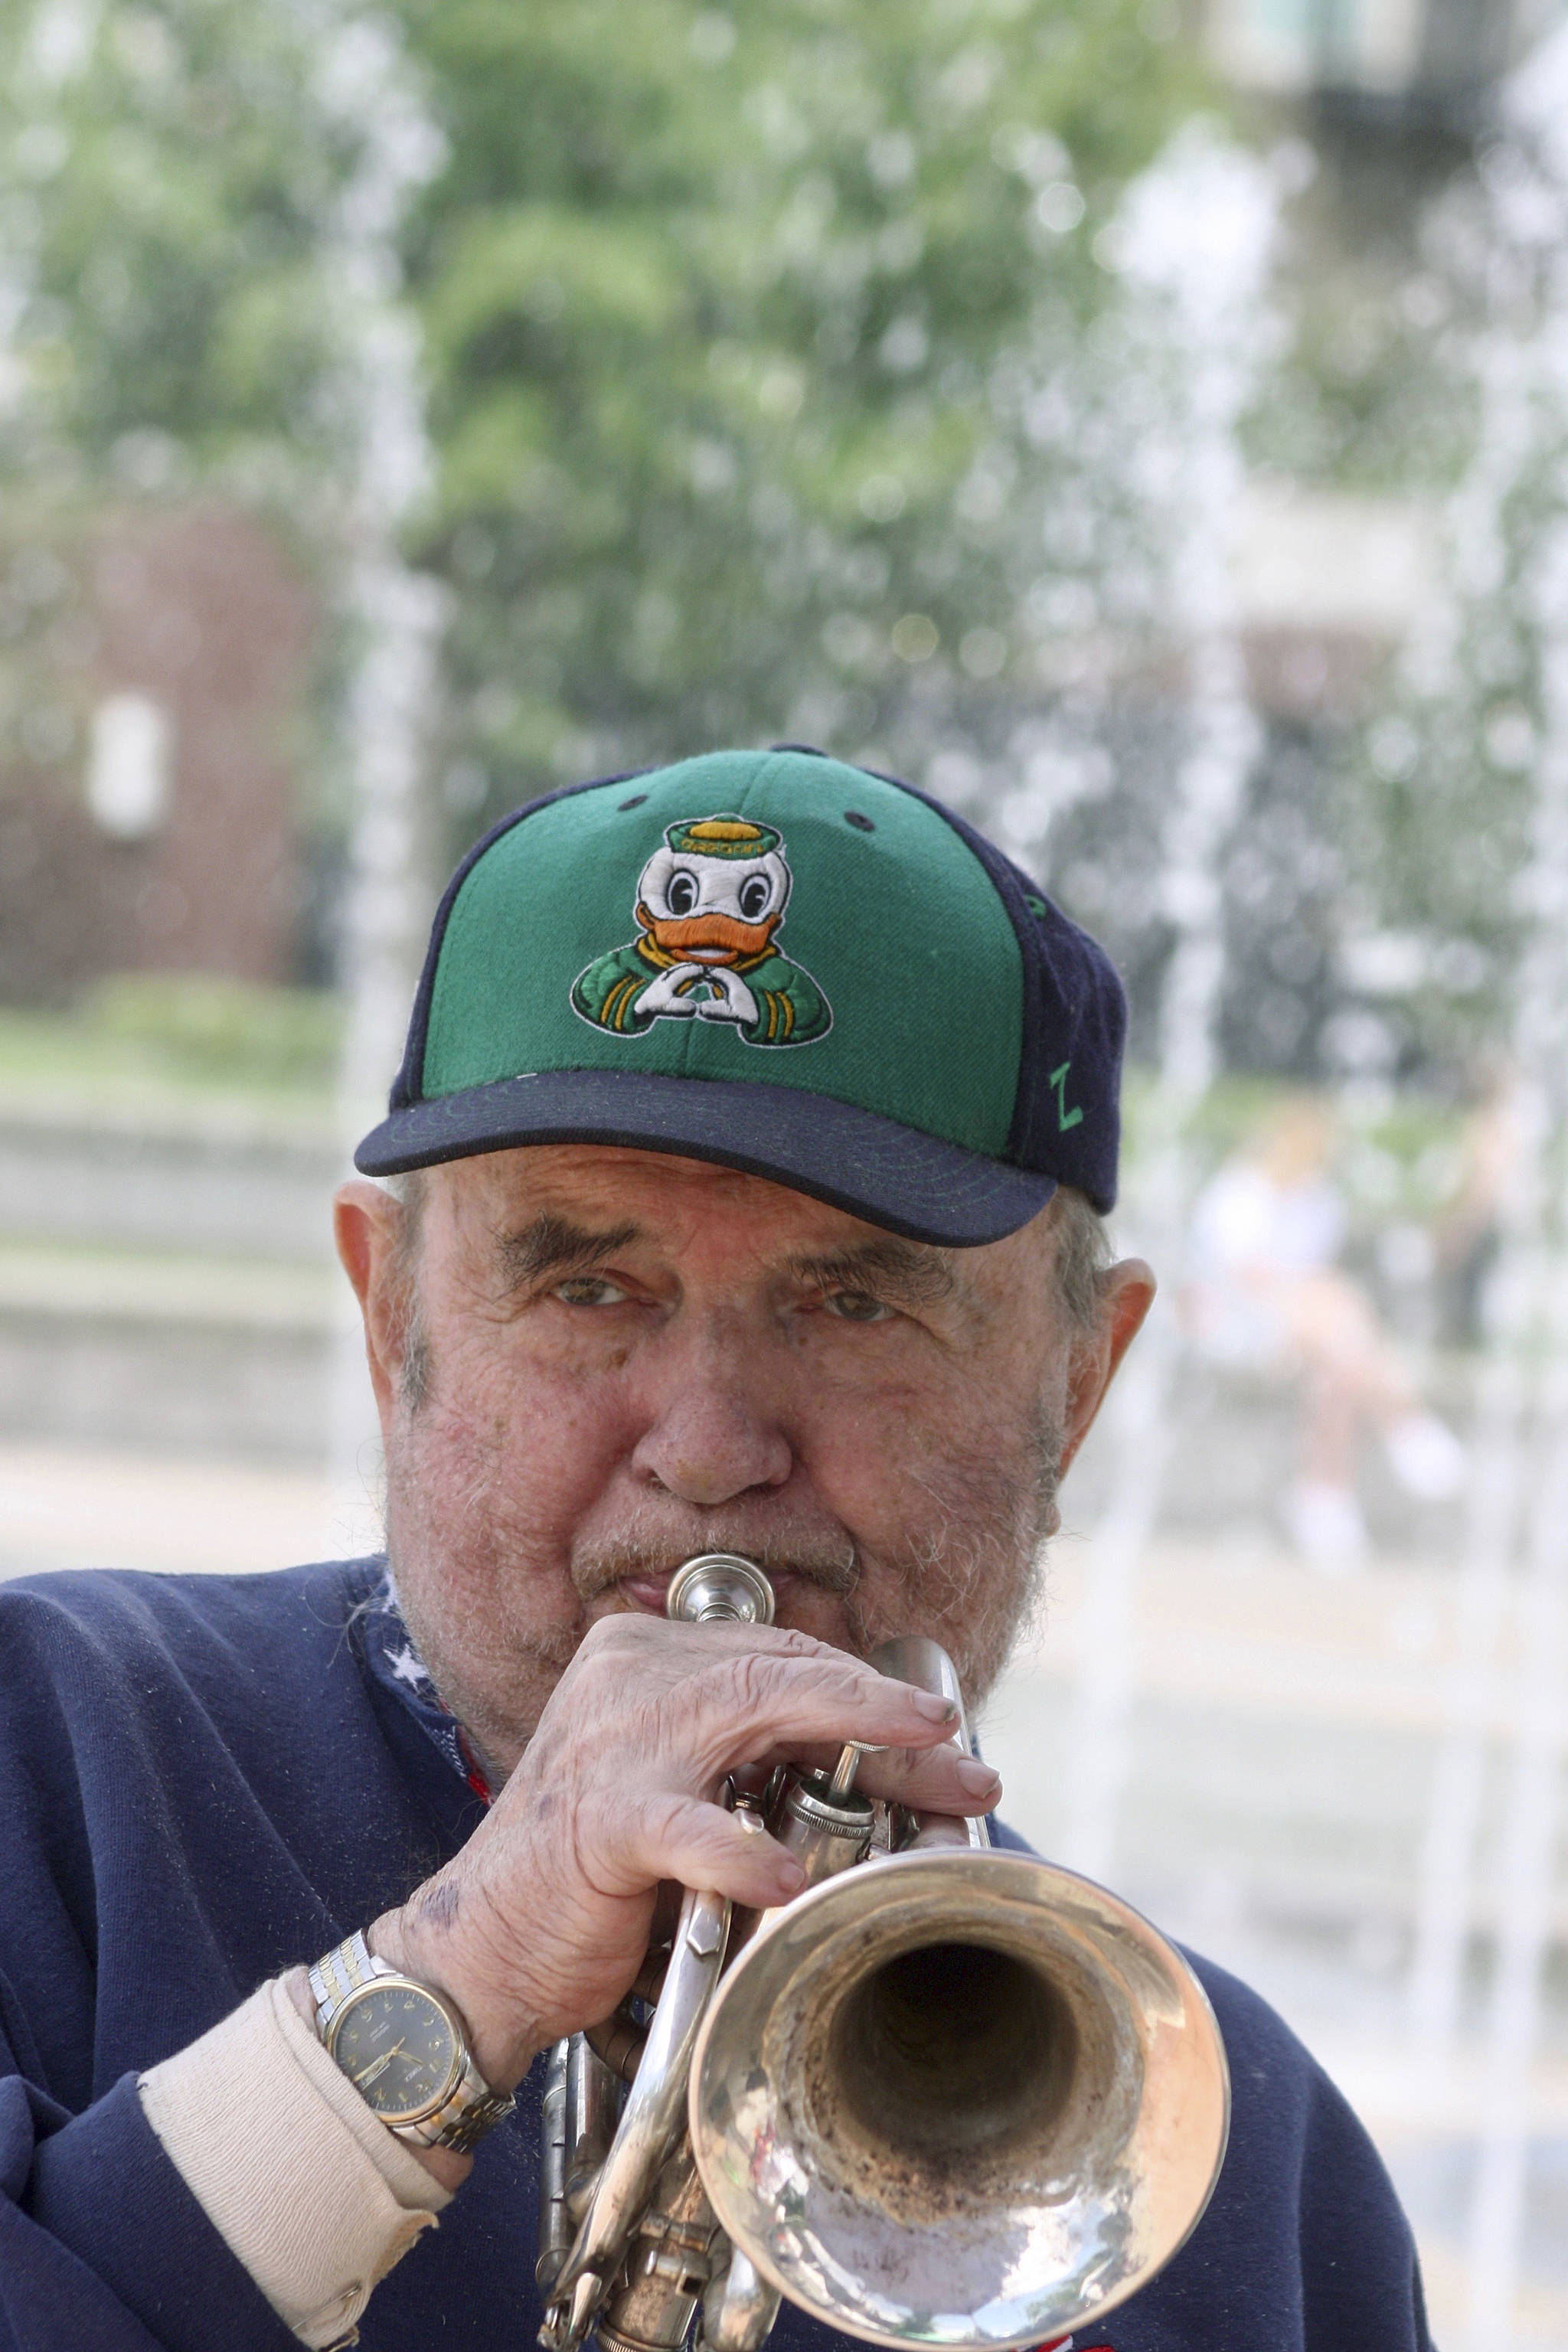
470	2108
340	1973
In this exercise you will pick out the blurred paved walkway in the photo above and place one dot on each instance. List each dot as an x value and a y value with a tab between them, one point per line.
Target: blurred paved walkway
73	1507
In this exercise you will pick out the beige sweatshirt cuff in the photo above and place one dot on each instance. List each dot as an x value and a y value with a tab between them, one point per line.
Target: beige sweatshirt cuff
300	2180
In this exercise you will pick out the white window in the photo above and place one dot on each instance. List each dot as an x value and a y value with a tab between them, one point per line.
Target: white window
1374	45
130	770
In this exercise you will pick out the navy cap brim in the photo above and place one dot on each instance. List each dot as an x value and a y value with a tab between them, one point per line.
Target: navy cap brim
893	1176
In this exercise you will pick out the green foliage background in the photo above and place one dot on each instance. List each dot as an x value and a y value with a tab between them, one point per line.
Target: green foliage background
167	174
713	305
725	315
713	302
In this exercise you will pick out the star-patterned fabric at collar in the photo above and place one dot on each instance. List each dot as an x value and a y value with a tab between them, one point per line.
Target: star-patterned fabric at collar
397	1666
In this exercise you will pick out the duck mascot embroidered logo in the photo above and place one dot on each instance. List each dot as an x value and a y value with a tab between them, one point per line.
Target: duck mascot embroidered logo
709	907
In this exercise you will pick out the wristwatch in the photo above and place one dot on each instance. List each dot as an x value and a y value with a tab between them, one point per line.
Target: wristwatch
404	2049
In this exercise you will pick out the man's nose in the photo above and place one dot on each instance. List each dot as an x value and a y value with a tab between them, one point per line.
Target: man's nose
714	1431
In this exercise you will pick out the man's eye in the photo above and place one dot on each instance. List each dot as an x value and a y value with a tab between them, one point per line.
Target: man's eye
589	1290
856	1307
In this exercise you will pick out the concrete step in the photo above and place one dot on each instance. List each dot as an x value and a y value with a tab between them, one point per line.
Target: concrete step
166	1277
179	1352
229	1181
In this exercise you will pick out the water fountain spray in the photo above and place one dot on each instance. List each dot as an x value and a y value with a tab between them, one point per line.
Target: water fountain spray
1509	541
393	615
1194	239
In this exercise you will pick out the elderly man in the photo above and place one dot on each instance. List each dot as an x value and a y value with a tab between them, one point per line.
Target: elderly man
687	1245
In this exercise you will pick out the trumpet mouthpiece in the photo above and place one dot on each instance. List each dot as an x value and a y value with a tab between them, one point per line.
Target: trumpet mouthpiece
719	1588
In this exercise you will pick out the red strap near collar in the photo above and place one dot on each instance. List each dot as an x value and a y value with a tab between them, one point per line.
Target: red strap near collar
477	1781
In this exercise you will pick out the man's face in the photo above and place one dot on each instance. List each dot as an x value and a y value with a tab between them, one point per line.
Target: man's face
595	1362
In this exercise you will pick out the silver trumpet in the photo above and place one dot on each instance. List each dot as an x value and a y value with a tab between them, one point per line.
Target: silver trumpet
954	2096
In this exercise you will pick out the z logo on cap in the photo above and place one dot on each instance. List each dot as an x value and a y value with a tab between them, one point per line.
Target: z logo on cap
709	903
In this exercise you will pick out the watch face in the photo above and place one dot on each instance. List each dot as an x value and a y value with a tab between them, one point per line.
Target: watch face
398	2048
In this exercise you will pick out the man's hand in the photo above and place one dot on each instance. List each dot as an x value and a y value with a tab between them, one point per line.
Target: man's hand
538	1927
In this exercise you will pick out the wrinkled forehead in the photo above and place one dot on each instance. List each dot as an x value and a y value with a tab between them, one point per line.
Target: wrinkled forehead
554	1198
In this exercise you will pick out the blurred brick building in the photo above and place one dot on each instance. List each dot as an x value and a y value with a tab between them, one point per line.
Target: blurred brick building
153	672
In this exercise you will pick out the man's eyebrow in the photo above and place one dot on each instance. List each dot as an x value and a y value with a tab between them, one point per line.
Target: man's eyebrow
552	1245
912	1271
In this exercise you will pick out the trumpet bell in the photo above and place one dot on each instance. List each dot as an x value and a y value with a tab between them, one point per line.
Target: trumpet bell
961	2099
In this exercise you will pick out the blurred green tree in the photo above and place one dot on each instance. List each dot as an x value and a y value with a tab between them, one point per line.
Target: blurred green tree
714	305
167	175
718	311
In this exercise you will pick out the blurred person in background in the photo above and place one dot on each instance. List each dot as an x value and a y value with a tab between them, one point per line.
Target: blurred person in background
1266	1294
746	1167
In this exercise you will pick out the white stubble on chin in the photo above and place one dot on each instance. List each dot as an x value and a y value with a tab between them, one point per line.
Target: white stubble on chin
496	1626
971	1574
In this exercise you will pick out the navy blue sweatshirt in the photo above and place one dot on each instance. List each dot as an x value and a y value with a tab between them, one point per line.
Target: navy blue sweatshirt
205	1779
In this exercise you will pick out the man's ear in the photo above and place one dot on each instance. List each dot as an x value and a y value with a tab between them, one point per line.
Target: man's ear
368	1224
1126	1293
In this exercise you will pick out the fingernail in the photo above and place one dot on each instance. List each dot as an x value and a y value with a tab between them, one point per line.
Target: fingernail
792	1878
975	1779
934	1708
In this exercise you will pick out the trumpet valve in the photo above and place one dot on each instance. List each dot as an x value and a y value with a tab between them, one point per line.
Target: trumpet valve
826	1830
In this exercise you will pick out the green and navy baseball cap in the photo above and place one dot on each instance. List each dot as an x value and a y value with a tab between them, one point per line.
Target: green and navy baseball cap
781	964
